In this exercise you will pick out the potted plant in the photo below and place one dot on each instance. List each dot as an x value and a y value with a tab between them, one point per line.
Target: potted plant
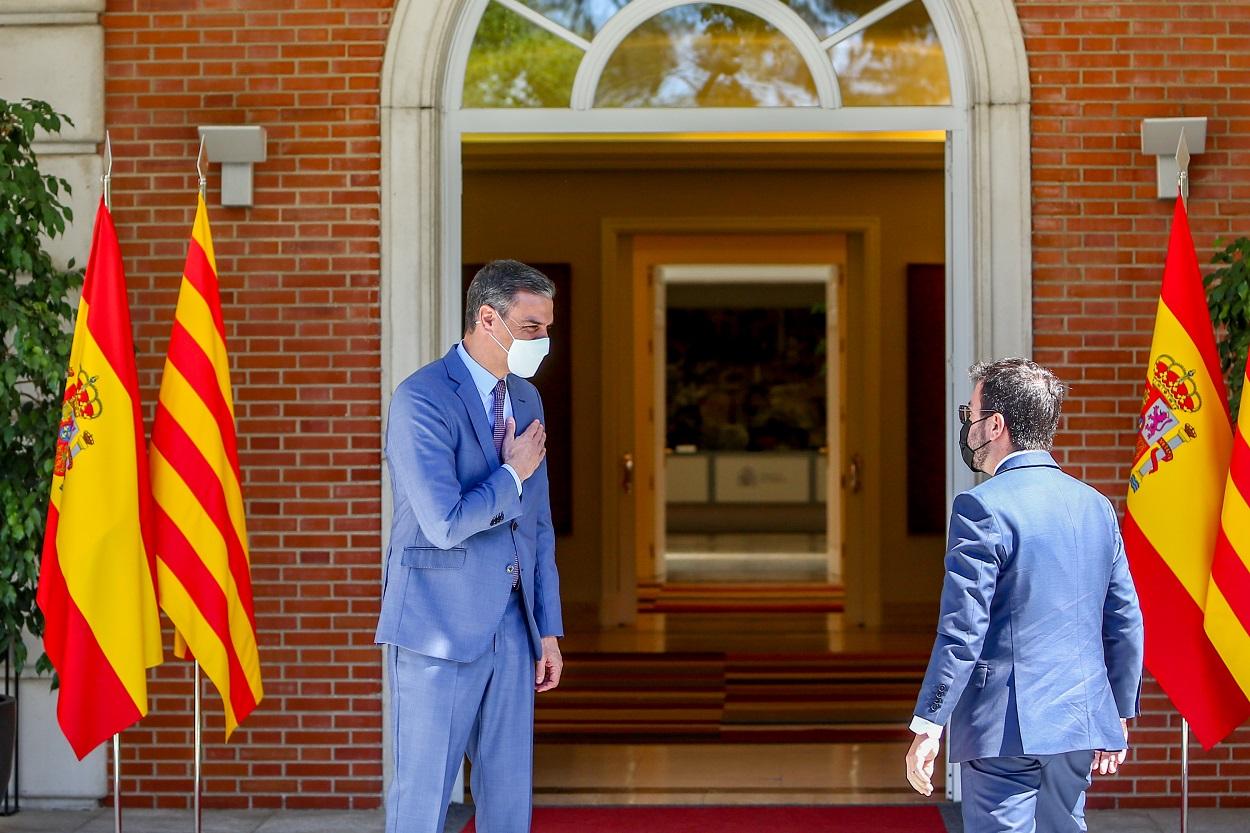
1228	297
36	330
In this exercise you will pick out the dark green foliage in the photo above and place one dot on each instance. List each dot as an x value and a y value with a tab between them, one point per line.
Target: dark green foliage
36	319
1228	297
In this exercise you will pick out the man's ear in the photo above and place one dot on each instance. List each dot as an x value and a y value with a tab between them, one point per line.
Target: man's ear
1002	422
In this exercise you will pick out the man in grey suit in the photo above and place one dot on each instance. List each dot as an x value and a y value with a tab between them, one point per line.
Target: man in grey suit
471	597
1038	658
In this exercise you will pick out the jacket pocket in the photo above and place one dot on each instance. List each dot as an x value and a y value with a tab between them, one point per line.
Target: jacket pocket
980	674
432	558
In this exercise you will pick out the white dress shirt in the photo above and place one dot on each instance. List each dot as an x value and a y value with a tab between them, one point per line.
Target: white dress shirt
486	381
927	727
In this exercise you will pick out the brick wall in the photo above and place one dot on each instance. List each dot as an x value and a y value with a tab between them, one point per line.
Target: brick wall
299	275
1099	238
300	290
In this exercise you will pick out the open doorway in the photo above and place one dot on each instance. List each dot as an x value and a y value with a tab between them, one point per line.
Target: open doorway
746	392
677	261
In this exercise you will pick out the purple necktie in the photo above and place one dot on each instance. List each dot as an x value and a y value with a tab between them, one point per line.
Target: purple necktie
496	407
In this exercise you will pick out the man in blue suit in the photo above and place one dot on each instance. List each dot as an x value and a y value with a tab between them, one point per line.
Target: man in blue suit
471	597
1038	658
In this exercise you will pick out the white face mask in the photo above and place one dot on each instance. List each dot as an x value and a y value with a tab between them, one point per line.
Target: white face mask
524	357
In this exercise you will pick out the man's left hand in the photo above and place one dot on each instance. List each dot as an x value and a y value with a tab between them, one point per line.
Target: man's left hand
920	759
549	667
1109	763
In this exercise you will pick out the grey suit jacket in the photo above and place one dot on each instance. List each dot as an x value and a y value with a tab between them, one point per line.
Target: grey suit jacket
458	521
1039	642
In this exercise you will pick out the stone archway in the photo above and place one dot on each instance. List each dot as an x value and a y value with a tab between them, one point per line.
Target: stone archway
988	211
994	154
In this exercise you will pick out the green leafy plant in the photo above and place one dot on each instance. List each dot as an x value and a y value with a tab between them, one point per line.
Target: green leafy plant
36	331
1228	297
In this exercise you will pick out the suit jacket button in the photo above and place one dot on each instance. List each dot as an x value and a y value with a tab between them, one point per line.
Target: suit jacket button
932	709
511	568
515	526
941	686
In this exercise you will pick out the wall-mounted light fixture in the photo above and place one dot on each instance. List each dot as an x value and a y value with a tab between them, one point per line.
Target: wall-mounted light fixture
237	147
1161	138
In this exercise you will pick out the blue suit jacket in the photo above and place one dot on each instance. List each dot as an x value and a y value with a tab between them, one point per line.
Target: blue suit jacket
1039	643
458	521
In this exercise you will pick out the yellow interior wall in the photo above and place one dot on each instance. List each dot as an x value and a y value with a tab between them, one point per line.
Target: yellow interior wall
557	216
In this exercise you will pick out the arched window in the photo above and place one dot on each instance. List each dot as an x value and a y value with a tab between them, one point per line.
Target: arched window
586	54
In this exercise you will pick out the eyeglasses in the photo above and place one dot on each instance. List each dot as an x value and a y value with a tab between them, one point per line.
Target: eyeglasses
965	413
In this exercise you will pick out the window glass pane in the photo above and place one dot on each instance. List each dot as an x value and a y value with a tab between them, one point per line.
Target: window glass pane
704	55
896	61
514	63
582	17
828	16
587	17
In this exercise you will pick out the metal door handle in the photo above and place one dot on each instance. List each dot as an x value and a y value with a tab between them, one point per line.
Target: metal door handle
627	473
853	479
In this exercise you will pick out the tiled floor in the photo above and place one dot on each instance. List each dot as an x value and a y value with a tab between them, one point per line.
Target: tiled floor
314	821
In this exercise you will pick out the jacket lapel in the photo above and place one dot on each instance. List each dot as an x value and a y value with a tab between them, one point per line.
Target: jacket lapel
467	390
523	410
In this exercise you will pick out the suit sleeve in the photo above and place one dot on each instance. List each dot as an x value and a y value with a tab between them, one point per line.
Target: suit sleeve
547	610
974	556
422	456
1122	630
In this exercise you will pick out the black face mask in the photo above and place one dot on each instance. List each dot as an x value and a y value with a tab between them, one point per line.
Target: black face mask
966	451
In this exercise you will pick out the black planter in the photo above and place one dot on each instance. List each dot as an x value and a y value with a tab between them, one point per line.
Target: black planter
8	733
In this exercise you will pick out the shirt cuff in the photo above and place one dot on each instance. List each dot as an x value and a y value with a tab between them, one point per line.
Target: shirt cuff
515	477
925	727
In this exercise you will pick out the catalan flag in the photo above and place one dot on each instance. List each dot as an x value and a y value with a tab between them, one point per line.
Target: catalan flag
203	567
96	585
1228	594
1176	488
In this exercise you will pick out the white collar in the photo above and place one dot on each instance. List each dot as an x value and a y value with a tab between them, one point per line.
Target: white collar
1009	456
483	379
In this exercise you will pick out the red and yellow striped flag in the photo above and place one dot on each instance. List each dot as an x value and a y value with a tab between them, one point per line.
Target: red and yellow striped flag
1228	594
97	592
203	568
1176	488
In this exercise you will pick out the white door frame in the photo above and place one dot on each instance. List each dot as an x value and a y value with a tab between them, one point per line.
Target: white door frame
989	254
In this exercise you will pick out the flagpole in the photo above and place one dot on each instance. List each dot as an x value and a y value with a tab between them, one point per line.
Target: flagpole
1184	775
199	739
106	180
198	750
1182	187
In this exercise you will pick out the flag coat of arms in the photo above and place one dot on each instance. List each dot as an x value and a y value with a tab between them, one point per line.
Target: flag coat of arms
1176	488
96	583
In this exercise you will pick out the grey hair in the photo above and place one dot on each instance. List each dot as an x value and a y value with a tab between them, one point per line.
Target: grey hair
496	285
1027	395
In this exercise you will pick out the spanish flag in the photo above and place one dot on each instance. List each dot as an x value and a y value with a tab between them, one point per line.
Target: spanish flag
1176	488
203	566
96	584
1228	593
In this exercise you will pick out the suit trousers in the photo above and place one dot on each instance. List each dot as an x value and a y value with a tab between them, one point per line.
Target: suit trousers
441	710
1026	794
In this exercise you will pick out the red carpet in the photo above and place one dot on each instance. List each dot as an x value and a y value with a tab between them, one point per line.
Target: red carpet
735	820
